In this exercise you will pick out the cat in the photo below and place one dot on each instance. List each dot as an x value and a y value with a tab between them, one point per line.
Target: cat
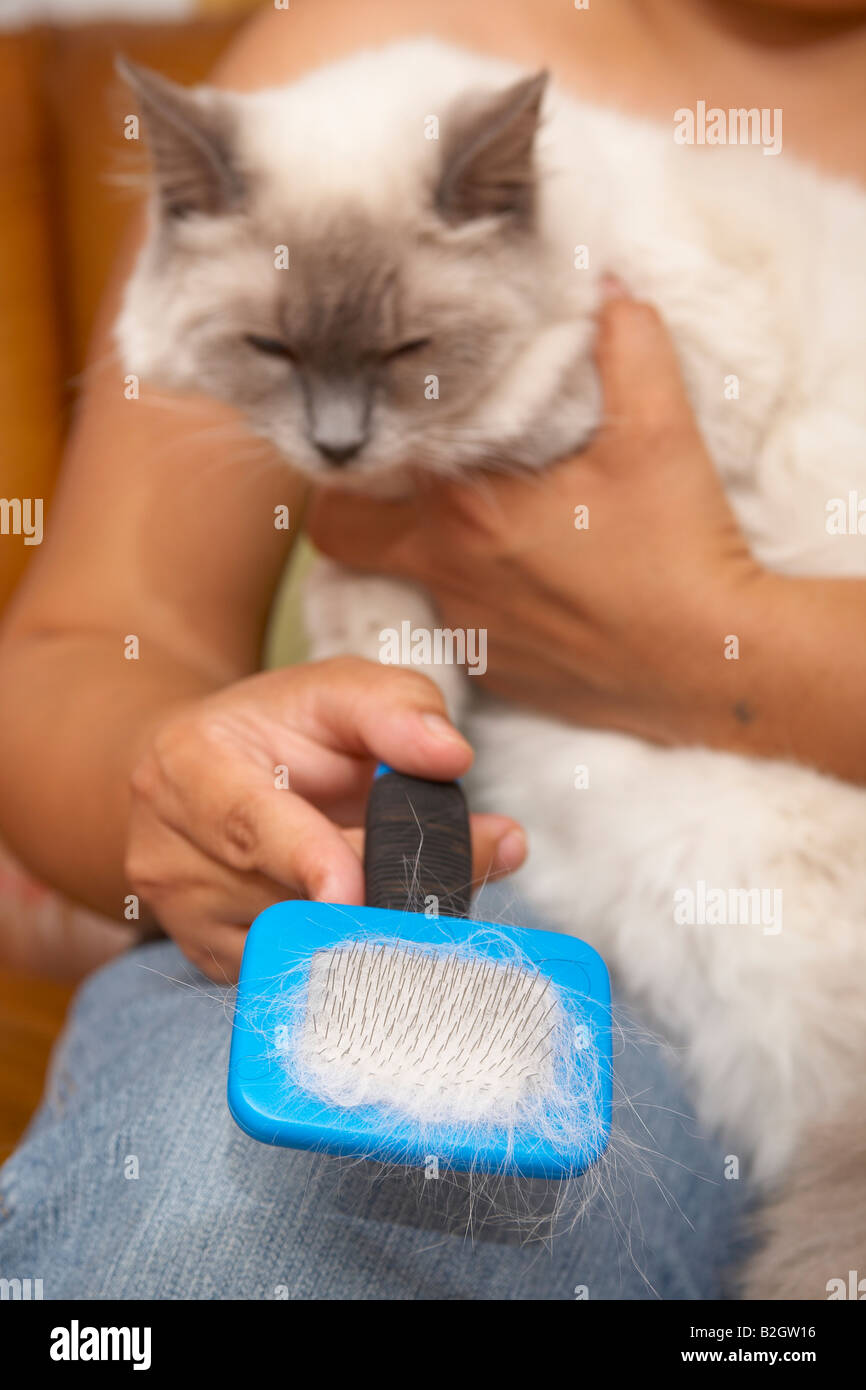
446	219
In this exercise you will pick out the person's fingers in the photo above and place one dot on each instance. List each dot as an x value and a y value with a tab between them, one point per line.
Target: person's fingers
183	883
360	531
386	713
238	816
498	846
216	948
210	925
643	388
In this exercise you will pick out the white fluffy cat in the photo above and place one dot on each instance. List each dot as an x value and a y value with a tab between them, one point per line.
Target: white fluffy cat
455	256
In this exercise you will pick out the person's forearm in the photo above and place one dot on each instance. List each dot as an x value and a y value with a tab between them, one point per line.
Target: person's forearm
74	714
793	682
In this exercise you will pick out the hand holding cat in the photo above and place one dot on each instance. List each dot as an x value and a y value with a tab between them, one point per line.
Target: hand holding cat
608	584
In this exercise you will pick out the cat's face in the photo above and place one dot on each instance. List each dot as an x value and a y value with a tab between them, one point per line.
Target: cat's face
359	341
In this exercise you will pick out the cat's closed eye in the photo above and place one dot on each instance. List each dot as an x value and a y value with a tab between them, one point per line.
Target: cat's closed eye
404	349
274	347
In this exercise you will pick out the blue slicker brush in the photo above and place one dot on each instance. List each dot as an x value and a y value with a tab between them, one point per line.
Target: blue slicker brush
392	1033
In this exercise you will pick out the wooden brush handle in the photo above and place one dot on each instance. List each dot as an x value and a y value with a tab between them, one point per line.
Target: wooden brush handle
417	846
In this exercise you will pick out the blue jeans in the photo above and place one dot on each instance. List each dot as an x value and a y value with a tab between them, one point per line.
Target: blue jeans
134	1182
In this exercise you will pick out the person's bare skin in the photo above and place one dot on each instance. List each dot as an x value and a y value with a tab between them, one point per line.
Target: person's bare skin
647	56
163	524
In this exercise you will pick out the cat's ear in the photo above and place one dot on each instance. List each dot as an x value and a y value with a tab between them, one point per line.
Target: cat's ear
190	143
487	166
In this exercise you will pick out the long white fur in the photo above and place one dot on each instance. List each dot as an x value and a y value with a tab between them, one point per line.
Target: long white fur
431	1033
757	266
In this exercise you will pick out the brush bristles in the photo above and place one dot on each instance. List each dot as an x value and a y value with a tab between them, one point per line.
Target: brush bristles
437	1035
458	1050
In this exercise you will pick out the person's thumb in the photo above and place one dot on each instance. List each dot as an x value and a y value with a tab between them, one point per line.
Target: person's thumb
641	380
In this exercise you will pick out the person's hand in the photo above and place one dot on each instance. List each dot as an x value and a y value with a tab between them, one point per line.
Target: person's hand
619	623
215	835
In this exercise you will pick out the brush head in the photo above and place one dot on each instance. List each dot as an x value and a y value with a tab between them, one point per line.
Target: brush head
398	1037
